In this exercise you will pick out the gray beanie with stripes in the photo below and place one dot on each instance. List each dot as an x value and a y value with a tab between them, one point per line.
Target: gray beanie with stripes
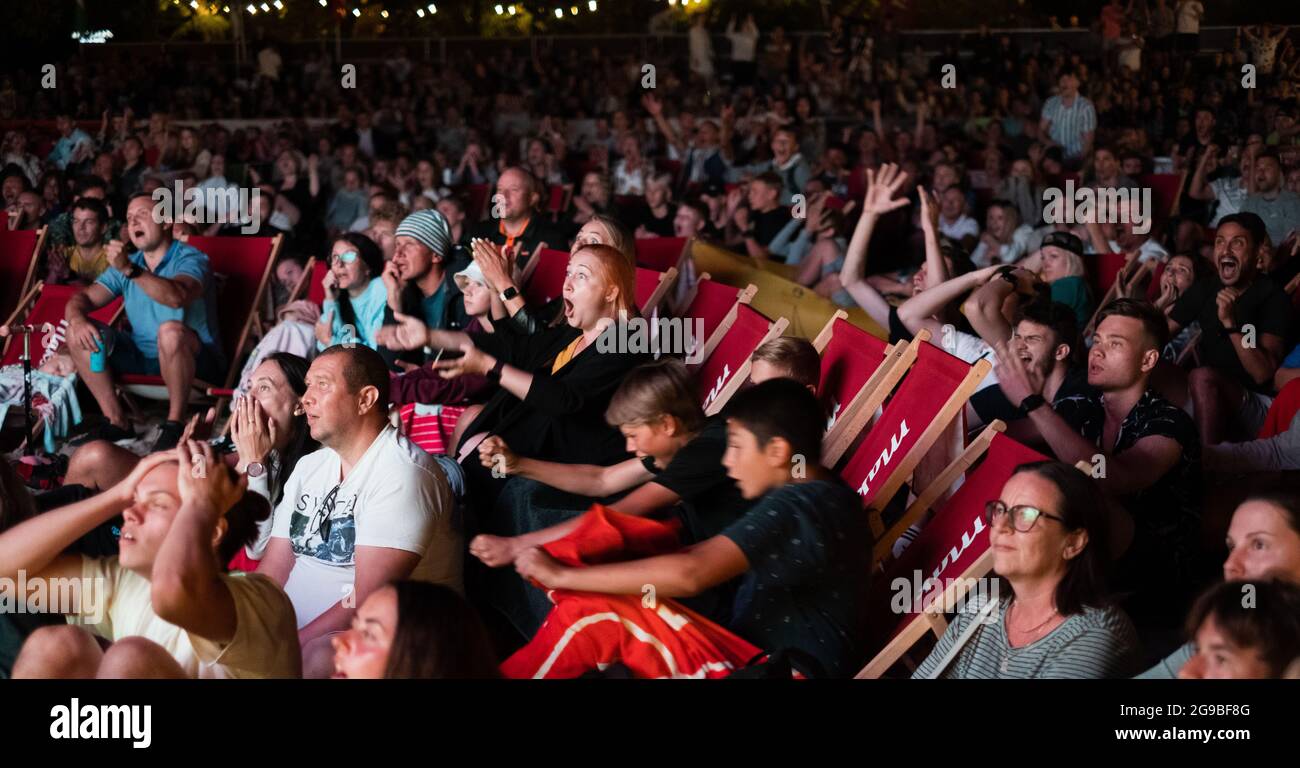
430	228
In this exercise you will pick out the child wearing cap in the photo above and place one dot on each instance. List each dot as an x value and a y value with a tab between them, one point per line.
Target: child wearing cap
424	385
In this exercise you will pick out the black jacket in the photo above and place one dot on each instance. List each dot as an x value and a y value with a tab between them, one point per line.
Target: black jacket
563	416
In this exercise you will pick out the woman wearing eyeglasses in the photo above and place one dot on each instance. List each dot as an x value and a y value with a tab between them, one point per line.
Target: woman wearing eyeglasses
355	295
1049	616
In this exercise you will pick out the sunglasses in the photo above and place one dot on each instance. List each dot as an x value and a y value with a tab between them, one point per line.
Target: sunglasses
347	257
1023	516
322	519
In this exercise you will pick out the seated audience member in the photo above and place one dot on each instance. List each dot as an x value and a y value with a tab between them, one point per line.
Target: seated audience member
267	427
86	258
678	463
786	357
1049	538
953	223
800	553
1059	263
367	508
355	294
756	224
414	630
383	228
1149	447
170	301
1005	239
1046	340
516	222
426	384
1277	207
787	166
165	604
677	473
692	221
655	219
555	384
1236	306
1244	639
1263	543
419	279
1180	274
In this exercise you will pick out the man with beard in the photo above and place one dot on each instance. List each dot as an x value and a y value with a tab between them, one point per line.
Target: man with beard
1278	208
170	301
419	277
1045	338
1245	321
1143	449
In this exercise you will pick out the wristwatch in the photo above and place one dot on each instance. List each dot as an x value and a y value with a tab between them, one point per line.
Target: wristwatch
255	469
1031	403
509	293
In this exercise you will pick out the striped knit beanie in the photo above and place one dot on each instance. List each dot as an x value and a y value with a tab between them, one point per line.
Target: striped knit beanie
430	228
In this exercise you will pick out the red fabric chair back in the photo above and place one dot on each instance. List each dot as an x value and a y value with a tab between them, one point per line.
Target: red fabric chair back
1153	288
476	197
927	386
1105	267
850	357
647	280
243	261
659	253
954	539
740	341
48	308
555	202
1164	191
17	251
547	281
316	283
711	303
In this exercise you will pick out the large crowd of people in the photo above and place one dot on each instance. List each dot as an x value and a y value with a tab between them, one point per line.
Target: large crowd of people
315	539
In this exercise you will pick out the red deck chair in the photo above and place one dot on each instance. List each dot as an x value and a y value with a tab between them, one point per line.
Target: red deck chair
950	554
835	203
630	203
430	426
558	201
18	257
931	395
45	304
476	198
1105	268
544	277
854	366
661	253
246	264
712	304
311	285
1166	192
726	368
651	288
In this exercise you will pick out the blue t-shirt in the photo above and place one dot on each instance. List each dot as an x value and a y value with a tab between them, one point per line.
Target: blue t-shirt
809	551
434	307
369	308
146	315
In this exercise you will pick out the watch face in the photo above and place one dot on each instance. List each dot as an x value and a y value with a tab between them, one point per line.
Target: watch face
255	469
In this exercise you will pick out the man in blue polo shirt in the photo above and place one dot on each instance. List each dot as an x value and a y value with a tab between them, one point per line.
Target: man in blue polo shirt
167	292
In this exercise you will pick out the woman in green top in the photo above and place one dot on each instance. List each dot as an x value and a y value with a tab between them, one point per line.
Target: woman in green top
1047	615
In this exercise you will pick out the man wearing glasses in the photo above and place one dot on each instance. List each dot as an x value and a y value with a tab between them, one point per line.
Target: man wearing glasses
366	509
1144	450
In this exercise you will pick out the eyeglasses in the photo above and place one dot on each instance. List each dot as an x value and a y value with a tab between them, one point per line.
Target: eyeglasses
1023	516
347	257
325	513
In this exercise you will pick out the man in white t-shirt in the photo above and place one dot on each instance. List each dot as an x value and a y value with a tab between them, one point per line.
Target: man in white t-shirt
954	224
366	509
1187	23
164	602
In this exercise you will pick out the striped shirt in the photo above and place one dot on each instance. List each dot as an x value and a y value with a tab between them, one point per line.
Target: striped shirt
1067	125
1098	643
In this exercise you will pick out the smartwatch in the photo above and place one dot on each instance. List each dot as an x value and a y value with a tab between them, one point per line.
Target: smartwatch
1032	403
509	293
495	373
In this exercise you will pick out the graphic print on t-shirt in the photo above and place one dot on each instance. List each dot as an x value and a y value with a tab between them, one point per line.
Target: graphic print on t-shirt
307	520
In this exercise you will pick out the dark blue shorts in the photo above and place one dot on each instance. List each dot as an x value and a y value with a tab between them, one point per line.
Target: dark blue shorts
125	357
